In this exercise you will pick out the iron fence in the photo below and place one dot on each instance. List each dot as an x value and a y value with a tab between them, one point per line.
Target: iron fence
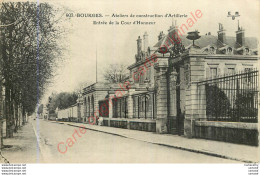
144	105
232	98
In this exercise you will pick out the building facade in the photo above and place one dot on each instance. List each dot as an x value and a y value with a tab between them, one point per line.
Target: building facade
171	87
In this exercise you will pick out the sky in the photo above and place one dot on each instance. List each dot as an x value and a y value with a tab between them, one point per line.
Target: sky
117	43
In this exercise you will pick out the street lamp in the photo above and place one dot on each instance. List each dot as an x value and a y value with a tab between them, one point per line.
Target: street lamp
233	16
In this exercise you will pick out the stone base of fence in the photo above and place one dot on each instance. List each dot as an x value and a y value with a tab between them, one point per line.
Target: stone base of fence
234	132
189	127
134	124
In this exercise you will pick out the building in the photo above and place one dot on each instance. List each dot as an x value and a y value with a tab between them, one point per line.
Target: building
68	114
191	85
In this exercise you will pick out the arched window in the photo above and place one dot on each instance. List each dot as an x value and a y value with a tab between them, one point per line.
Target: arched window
88	107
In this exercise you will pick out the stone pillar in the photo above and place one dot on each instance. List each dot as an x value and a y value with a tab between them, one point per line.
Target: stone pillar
81	111
194	99
130	104
161	96
110	115
172	103
96	107
110	102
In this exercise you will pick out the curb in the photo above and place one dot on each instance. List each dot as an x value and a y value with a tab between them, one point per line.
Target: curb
171	146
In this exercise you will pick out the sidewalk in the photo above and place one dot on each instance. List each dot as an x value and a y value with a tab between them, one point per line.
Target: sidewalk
22	148
243	153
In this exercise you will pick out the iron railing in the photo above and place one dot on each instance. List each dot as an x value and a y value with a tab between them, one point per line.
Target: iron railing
144	105
232	98
120	109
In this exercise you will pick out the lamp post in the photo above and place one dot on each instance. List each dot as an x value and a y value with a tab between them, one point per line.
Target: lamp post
236	15
233	16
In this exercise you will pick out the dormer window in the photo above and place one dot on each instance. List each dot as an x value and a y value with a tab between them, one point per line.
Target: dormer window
229	51
212	50
246	51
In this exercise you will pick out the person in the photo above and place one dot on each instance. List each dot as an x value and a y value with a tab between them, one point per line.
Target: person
100	121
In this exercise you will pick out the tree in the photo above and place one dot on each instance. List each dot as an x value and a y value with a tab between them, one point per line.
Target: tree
116	73
40	109
62	100
30	51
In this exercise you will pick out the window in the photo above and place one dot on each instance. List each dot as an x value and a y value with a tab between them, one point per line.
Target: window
136	77
249	75
229	50
231	70
115	108
248	69
142	76
123	107
213	72
211	50
246	51
149	73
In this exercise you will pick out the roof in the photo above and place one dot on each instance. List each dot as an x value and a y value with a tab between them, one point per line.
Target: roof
101	86
212	40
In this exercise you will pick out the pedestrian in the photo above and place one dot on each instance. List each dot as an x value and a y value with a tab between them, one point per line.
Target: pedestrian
100	121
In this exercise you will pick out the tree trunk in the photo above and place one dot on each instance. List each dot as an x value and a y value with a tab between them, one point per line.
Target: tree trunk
15	117
9	125
1	115
19	115
23	115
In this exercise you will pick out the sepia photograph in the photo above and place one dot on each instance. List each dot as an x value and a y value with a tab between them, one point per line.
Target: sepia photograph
129	82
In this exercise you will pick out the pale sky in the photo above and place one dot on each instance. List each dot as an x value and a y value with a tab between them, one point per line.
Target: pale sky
117	44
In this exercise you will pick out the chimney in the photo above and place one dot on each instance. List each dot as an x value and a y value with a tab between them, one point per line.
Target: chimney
145	38
139	46
221	34
173	30
240	36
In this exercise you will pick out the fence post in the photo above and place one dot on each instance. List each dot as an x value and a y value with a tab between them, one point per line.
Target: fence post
161	96
194	71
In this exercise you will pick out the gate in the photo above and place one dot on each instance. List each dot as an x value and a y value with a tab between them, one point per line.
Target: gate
176	124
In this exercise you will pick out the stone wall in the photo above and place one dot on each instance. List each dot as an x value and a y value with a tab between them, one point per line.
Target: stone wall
134	124
242	133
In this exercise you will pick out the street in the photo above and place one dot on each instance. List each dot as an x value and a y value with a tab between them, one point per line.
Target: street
98	147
